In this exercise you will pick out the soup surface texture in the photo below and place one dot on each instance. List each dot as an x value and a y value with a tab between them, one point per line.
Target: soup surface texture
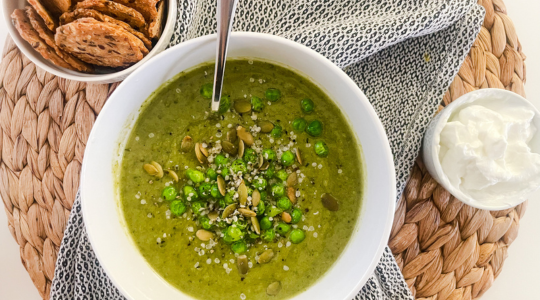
167	218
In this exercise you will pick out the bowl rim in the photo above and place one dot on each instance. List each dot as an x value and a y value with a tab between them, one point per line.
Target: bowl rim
442	119
38	60
385	152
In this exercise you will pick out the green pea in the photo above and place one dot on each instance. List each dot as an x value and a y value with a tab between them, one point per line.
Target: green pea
224	104
287	158
297	236
227	238
190	193
239	166
265	223
277	190
307	105
221	160
239	247
222	203
207	90
222	224
204	190
273	94
273	211
250	156
260	208
260	183
270	172
229	198
205	222
314	128
269	154
257	104
214	191
296	216
197	207
276	131
240	224
195	175
284	203
264	194
225	172
282	174
283	228
235	233
177	207
169	193
268	235
211	173
321	149
299	124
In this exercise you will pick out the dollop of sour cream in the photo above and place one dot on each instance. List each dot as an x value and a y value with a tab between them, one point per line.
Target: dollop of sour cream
486	152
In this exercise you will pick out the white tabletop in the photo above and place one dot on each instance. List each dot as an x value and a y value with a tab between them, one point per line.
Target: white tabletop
521	273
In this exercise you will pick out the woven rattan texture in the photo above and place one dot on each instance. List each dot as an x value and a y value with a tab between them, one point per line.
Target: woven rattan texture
446	250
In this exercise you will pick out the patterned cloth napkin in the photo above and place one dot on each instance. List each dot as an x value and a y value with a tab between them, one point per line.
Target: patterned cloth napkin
402	53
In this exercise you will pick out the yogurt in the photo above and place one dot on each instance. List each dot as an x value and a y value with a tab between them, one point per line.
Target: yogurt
485	151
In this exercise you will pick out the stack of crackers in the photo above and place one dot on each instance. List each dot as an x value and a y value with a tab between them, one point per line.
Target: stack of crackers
80	35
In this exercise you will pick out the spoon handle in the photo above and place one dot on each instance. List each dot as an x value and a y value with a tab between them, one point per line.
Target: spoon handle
225	16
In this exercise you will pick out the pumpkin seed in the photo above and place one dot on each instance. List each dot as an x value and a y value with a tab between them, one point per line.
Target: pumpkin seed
241	149
200	157
244	135
160	170
266	127
204	151
242	106
242	264
231	135
255	198
221	185
229	147
187	144
213	215
261	161
273	288
266	256
329	202
292	180
265	166
291	194
286	217
204	235
256	226
173	175
298	157
247	212
228	211
242	193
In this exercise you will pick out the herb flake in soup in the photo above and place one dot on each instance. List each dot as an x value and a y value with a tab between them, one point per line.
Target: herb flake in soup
256	202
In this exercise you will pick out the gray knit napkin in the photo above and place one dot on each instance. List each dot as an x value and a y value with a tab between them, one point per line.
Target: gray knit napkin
403	54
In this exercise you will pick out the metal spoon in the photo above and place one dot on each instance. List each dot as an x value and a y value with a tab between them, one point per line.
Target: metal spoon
225	16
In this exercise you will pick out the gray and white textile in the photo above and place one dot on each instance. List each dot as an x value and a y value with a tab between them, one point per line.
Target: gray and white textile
403	54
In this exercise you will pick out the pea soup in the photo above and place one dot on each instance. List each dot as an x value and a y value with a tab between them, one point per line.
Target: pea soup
256	201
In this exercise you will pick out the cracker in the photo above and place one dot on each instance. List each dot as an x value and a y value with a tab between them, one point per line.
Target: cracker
99	43
91	13
148	8
156	26
22	23
47	36
58	6
115	10
50	22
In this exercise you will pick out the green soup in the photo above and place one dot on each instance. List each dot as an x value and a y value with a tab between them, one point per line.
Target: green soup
165	225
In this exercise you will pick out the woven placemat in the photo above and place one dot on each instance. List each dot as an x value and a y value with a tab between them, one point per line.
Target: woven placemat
445	249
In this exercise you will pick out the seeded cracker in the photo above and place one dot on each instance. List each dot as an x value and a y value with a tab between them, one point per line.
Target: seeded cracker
115	10
156	26
50	22
146	7
91	13
99	43
22	23
46	35
60	6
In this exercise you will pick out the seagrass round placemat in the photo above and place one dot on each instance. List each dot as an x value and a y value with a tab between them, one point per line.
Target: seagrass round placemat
446	250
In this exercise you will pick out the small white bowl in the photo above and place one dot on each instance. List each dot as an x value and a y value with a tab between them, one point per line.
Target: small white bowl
104	221
431	143
8	6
